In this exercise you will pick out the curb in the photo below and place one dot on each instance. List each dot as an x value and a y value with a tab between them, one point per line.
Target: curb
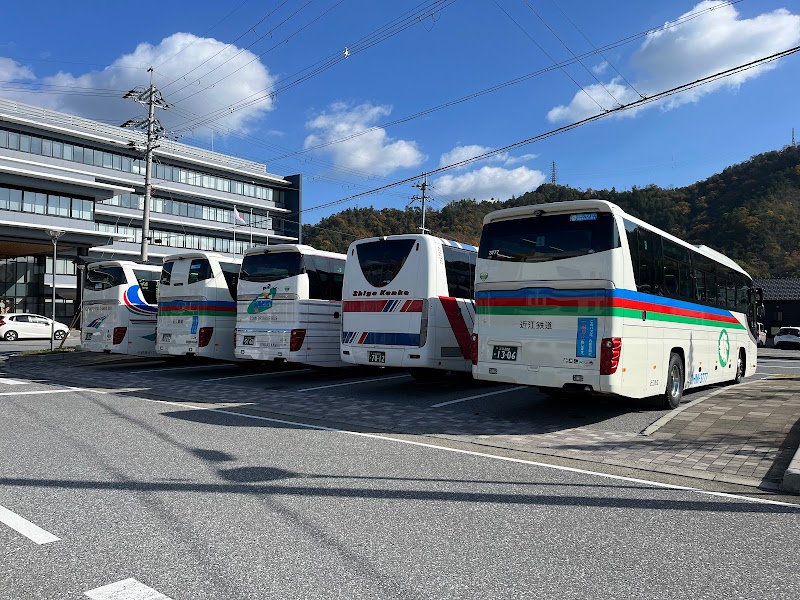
791	477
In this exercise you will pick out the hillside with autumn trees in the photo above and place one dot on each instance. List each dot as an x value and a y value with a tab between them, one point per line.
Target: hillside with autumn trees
750	211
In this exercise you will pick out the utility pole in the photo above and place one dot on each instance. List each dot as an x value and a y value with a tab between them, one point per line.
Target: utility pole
152	127
553	174
423	198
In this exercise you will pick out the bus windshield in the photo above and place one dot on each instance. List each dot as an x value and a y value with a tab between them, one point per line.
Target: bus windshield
382	260
103	278
270	266
546	238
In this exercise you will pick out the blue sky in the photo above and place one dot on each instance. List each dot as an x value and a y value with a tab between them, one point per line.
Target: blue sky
352	93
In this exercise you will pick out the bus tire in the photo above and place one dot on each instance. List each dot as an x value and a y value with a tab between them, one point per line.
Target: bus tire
674	390
740	366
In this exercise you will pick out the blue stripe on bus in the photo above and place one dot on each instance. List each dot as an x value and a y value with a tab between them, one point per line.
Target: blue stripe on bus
383	339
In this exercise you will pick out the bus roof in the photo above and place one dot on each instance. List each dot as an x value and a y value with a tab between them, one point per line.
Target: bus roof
301	248
200	254
124	263
604	205
415	236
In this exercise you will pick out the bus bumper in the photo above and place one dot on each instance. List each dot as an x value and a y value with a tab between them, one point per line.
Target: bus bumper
554	377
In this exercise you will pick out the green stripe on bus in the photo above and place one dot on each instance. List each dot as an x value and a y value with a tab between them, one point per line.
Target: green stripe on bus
584	311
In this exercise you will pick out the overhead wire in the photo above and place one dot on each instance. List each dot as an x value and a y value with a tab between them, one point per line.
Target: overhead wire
500	86
633	104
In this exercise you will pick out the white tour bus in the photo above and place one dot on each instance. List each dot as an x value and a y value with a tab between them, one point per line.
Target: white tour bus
197	306
289	305
580	296
407	302
118	307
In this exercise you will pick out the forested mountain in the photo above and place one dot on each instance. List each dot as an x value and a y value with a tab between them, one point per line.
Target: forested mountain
750	211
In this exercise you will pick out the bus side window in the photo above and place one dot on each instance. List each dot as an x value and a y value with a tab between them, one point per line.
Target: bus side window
166	273
148	283
231	274
318	288
337	278
459	272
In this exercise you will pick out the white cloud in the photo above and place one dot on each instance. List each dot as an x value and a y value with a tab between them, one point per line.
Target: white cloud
699	47
172	58
462	153
11	70
600	69
489	182
370	153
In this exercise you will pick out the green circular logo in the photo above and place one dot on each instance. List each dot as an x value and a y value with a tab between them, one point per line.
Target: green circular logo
484	276
724	348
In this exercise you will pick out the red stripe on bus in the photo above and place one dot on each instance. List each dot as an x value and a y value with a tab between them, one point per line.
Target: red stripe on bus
457	324
363	337
364	305
412	306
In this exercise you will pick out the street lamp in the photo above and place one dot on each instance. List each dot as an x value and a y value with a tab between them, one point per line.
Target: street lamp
54	235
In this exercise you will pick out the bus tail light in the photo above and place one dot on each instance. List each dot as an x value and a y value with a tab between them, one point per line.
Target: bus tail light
204	336
473	349
610	350
296	339
119	334
423	324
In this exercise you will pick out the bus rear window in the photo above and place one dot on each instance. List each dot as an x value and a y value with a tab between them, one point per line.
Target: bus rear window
546	238
381	261
200	270
103	278
270	266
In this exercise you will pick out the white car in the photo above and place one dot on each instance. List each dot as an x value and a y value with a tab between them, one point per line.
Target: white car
787	337
14	326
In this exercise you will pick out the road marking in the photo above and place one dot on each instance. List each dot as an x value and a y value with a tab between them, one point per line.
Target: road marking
762	368
322	387
519	387
25	527
265	374
181	368
5	381
127	589
44	392
658	484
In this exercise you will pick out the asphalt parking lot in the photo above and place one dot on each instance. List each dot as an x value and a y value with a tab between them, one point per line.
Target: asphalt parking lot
611	432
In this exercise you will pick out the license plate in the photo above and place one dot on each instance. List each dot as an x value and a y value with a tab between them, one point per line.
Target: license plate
166	337
88	336
504	352
377	357
249	340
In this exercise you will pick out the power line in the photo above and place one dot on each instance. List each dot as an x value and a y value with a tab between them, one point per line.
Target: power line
634	104
500	86
394	27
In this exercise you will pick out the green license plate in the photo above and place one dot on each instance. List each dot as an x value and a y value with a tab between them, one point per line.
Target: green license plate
504	352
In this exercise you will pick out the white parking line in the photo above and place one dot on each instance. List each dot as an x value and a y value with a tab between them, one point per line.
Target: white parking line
322	387
519	387
181	368
25	527
127	589
6	381
44	392
264	374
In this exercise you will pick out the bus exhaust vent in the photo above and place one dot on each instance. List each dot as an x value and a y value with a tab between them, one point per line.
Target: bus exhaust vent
451	352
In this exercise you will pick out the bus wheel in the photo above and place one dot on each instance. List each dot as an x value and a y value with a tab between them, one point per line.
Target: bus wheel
739	367
674	391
